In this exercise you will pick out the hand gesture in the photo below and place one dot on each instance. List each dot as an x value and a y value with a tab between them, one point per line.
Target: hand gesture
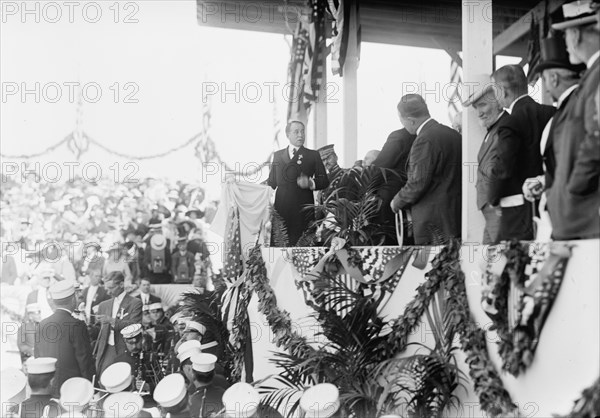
303	182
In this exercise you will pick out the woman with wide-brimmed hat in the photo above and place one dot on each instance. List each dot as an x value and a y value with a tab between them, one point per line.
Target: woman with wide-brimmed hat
117	261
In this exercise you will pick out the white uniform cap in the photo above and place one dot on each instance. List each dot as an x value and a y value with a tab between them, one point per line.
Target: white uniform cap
13	386
195	326
170	391
76	393
62	289
146	308
116	377
131	331
156	305
185	346
41	365
241	400
320	401
33	307
183	356
123	404
204	362
175	317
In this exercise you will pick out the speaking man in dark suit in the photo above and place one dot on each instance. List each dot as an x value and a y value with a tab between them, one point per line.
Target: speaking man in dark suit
295	173
518	151
490	115
114	315
574	198
65	338
393	156
433	187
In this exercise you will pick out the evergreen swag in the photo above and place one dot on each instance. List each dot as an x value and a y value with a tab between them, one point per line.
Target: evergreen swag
365	392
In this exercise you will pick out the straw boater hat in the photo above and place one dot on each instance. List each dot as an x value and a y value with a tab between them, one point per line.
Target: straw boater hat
577	13
116	377
241	400
482	86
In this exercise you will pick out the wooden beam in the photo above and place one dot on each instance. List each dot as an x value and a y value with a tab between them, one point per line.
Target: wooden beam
449	50
521	26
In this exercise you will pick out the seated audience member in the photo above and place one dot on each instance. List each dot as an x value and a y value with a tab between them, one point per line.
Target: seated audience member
145	295
393	156
40	372
433	189
574	197
517	151
183	263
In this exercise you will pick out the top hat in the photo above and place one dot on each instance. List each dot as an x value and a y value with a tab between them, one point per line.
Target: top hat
576	13
554	55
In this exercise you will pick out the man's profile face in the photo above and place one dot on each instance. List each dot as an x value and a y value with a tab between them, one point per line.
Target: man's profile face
296	134
487	109
571	37
95	277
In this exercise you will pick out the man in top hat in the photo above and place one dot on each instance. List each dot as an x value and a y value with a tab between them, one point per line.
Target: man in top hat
518	151
65	338
114	315
28	330
561	79
574	196
40	372
490	113
295	173
433	189
393	156
207	398
183	263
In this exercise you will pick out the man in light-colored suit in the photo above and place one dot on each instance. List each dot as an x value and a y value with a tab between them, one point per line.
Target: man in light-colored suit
114	315
490	114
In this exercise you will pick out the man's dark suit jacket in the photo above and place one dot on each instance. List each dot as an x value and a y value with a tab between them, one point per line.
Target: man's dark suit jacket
289	198
433	188
486	184
574	198
100	296
518	154
132	314
66	339
393	156
151	299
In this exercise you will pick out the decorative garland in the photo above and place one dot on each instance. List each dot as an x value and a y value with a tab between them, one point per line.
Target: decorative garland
588	405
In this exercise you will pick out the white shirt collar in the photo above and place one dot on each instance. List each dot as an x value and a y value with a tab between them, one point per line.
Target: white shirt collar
120	298
593	59
565	94
420	128
512	105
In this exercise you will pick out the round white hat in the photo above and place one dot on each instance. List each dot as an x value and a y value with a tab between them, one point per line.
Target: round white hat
41	365
173	319
116	377
183	356
241	400
123	404
62	289
170	390
156	305
320	401
146	308
195	326
76	393
131	331
13	385
185	346
33	307
204	362
158	242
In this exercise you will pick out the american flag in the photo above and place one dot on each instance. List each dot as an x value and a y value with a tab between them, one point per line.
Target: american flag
314	59
296	110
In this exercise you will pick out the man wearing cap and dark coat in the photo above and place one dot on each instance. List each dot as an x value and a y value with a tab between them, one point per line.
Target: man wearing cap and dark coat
490	115
574	197
393	156
207	398
561	79
183	268
295	173
114	315
40	372
433	189
518	151
65	338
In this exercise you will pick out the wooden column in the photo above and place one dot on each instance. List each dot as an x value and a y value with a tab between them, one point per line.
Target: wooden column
477	66
319	113
350	89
